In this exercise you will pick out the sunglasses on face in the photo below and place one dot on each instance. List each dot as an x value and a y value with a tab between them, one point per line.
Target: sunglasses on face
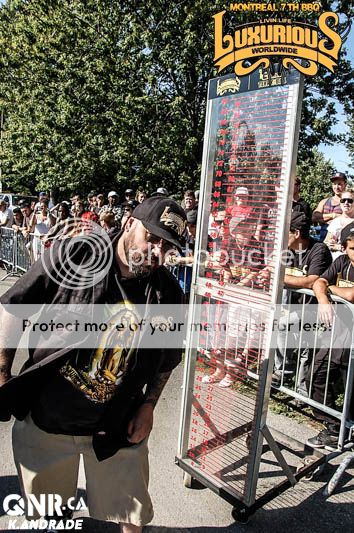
155	240
346	200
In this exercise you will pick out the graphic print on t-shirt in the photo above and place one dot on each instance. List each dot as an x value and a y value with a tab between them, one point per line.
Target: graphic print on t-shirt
98	372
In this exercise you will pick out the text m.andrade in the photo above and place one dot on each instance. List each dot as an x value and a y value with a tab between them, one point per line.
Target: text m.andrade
295	41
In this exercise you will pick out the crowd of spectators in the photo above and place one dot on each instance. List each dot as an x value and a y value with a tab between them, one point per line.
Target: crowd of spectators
316	262
41	222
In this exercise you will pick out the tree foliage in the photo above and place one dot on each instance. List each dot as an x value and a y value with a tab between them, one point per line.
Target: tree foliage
105	94
314	173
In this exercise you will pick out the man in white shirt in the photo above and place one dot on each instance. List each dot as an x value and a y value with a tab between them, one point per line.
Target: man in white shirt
6	216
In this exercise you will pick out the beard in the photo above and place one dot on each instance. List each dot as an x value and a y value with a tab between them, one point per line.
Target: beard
137	262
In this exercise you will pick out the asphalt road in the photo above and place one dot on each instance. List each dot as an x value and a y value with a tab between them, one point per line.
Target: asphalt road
178	509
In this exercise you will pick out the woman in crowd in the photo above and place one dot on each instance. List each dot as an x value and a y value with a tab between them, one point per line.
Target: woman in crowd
107	221
140	196
42	222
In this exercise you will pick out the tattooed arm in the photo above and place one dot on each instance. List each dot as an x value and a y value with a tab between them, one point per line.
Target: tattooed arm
155	388
141	424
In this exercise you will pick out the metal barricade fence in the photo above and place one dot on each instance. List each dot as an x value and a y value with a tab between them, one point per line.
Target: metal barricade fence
17	252
7	247
22	253
295	367
295	371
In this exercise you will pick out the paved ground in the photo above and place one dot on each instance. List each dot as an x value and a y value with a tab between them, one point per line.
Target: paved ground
177	509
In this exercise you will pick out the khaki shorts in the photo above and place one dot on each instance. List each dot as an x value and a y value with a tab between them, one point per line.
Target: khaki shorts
116	488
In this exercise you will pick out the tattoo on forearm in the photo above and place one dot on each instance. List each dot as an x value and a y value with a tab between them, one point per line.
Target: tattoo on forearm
155	388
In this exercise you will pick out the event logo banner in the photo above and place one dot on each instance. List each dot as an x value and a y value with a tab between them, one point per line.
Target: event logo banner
301	45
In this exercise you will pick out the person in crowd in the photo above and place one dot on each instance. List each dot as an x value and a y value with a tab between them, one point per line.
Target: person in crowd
218	221
98	402
189	202
329	208
196	196
100	203
330	365
92	201
88	221
28	218
130	197
78	209
161	191
128	208
18	219
306	261
107	221
241	207
336	226
267	210
182	263
42	196
42	222
75	198
299	204
63	224
114	207
245	260
6	216
140	196
244	208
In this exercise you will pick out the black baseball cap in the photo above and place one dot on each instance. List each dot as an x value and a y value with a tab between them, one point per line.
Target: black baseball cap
346	233
164	218
299	221
339	176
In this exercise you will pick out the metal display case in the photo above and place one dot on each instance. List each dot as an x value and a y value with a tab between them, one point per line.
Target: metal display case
250	146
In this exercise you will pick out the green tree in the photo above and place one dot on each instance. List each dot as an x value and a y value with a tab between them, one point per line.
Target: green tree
350	139
314	173
105	94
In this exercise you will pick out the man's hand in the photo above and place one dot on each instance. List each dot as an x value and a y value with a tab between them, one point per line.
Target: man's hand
325	313
140	425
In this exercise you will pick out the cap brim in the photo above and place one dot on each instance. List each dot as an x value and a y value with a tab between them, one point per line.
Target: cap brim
159	232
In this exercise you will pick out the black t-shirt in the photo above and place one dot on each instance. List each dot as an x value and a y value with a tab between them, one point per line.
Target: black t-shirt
75	391
75	395
310	262
340	273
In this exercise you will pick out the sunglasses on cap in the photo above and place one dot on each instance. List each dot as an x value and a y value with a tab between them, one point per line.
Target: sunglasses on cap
346	200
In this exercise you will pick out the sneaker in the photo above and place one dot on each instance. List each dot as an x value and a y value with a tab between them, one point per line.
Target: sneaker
325	439
297	404
277	378
226	382
214	378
